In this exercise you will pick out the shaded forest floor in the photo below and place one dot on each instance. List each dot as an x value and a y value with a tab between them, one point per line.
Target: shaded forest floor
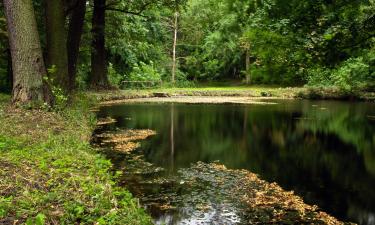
50	174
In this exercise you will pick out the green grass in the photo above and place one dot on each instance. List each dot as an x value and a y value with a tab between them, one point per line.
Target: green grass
246	91
49	173
253	91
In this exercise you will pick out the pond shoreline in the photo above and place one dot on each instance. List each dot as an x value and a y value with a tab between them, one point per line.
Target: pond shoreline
248	93
269	202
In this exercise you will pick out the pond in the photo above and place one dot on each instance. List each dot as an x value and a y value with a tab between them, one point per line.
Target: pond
322	150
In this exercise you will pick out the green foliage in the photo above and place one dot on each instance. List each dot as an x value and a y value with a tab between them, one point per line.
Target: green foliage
287	40
59	95
354	74
67	181
144	72
114	77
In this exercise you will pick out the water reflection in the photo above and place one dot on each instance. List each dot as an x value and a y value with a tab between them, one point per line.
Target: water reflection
325	151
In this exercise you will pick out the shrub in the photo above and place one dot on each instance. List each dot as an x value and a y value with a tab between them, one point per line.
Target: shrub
355	74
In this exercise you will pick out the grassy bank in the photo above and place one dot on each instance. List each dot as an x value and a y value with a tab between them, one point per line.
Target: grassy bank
240	91
49	173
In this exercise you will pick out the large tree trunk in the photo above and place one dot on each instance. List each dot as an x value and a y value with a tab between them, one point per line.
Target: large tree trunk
57	55
98	78
77	19
27	60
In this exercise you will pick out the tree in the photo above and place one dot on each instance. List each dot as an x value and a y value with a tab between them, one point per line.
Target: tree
75	30
57	55
174	62
98	78
27	60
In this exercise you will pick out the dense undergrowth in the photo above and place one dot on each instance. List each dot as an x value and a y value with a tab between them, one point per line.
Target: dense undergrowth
49	173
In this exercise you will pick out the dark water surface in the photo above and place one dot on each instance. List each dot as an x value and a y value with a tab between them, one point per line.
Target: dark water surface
323	150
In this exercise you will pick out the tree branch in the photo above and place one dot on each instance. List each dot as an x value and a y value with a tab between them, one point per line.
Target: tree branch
126	12
138	13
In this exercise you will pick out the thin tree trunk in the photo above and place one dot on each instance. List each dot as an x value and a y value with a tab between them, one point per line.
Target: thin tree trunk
248	72
27	60
57	55
174	47
98	78
76	22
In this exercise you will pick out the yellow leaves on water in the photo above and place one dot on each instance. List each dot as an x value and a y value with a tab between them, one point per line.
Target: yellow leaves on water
283	203
270	203
127	140
127	146
105	121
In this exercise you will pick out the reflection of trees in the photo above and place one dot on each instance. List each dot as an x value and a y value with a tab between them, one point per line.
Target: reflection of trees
324	152
350	124
172	136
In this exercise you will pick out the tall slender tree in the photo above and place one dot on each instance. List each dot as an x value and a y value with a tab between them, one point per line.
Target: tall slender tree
27	60
174	61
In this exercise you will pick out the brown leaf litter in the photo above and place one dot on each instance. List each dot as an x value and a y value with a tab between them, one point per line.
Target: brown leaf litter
127	140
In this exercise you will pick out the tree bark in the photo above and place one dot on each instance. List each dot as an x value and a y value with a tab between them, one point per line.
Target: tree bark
248	72
76	22
27	60
98	78
9	71
57	55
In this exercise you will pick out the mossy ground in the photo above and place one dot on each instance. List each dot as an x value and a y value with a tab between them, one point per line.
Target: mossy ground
50	174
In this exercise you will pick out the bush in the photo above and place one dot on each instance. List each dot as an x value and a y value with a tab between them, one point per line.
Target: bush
355	74
144	72
319	77
352	75
114	78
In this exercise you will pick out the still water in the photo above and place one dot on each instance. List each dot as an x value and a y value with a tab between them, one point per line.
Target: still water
323	150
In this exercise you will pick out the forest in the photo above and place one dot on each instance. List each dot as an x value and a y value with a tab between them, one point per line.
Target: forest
169	111
100	44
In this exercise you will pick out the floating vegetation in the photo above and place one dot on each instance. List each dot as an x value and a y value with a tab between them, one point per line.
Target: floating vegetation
125	140
105	121
260	202
126	135
94	109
